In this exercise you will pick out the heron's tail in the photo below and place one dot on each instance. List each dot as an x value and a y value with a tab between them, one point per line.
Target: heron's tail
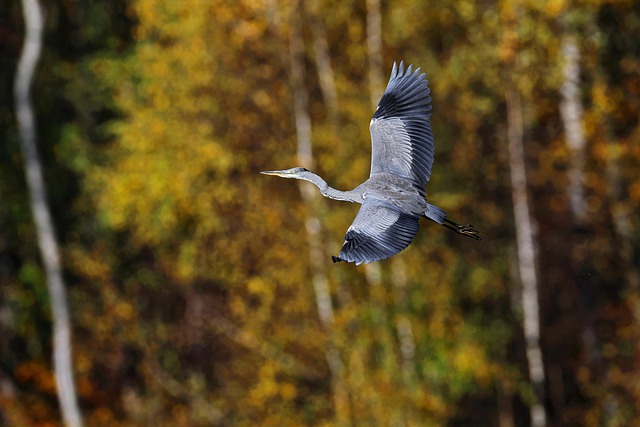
436	214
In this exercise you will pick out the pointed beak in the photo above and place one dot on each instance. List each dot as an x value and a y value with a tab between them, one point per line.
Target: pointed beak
282	173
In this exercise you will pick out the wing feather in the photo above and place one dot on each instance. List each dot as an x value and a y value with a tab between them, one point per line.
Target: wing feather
378	232
401	134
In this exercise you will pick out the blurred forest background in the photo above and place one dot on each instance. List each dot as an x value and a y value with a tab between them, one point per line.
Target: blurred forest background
202	293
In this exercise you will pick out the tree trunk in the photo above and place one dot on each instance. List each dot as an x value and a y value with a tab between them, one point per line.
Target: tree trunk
311	197
374	42
48	244
403	323
374	49
403	326
571	111
527	257
373	272
505	406
326	75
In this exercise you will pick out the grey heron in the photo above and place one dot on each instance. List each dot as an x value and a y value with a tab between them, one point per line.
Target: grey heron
393	199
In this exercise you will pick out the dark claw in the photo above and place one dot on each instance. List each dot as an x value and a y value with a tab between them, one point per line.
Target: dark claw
465	230
468	230
336	259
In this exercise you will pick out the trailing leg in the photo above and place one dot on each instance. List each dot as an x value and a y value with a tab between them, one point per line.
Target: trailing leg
439	216
464	229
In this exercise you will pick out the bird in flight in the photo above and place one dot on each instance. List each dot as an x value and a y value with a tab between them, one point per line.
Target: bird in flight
393	199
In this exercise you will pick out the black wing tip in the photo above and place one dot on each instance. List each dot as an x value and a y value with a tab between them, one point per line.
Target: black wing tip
364	248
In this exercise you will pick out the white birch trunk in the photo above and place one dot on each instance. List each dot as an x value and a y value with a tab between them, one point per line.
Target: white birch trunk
374	42
527	256
311	197
326	76
403	326
48	244
572	112
374	49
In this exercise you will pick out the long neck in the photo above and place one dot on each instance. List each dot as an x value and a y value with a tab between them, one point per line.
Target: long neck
330	192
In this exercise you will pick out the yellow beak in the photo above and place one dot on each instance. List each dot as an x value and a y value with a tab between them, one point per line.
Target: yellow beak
283	173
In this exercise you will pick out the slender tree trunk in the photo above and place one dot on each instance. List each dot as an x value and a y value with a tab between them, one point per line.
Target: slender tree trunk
527	257
373	272
374	49
505	406
571	111
311	197
62	363
326	76
403	326
272	13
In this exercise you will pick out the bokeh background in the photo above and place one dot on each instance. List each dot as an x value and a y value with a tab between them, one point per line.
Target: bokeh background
202	293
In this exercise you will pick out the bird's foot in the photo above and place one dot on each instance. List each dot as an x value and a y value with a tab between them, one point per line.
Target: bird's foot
464	229
468	230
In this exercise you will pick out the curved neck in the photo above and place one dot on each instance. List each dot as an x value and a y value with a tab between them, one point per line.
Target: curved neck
330	192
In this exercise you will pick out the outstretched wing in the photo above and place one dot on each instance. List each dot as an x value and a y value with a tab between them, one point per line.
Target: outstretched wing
401	135
378	232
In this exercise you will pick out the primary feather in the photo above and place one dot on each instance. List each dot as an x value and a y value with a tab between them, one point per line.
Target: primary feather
378	232
401	134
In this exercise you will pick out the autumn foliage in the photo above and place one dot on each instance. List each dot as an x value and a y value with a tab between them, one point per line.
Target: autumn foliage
190	274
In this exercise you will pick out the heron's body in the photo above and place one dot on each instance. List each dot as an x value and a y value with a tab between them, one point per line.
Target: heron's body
406	198
393	198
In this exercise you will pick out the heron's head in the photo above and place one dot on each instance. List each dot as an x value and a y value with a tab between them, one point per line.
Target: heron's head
297	172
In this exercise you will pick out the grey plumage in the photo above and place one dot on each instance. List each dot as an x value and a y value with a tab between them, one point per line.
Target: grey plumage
393	198
401	135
